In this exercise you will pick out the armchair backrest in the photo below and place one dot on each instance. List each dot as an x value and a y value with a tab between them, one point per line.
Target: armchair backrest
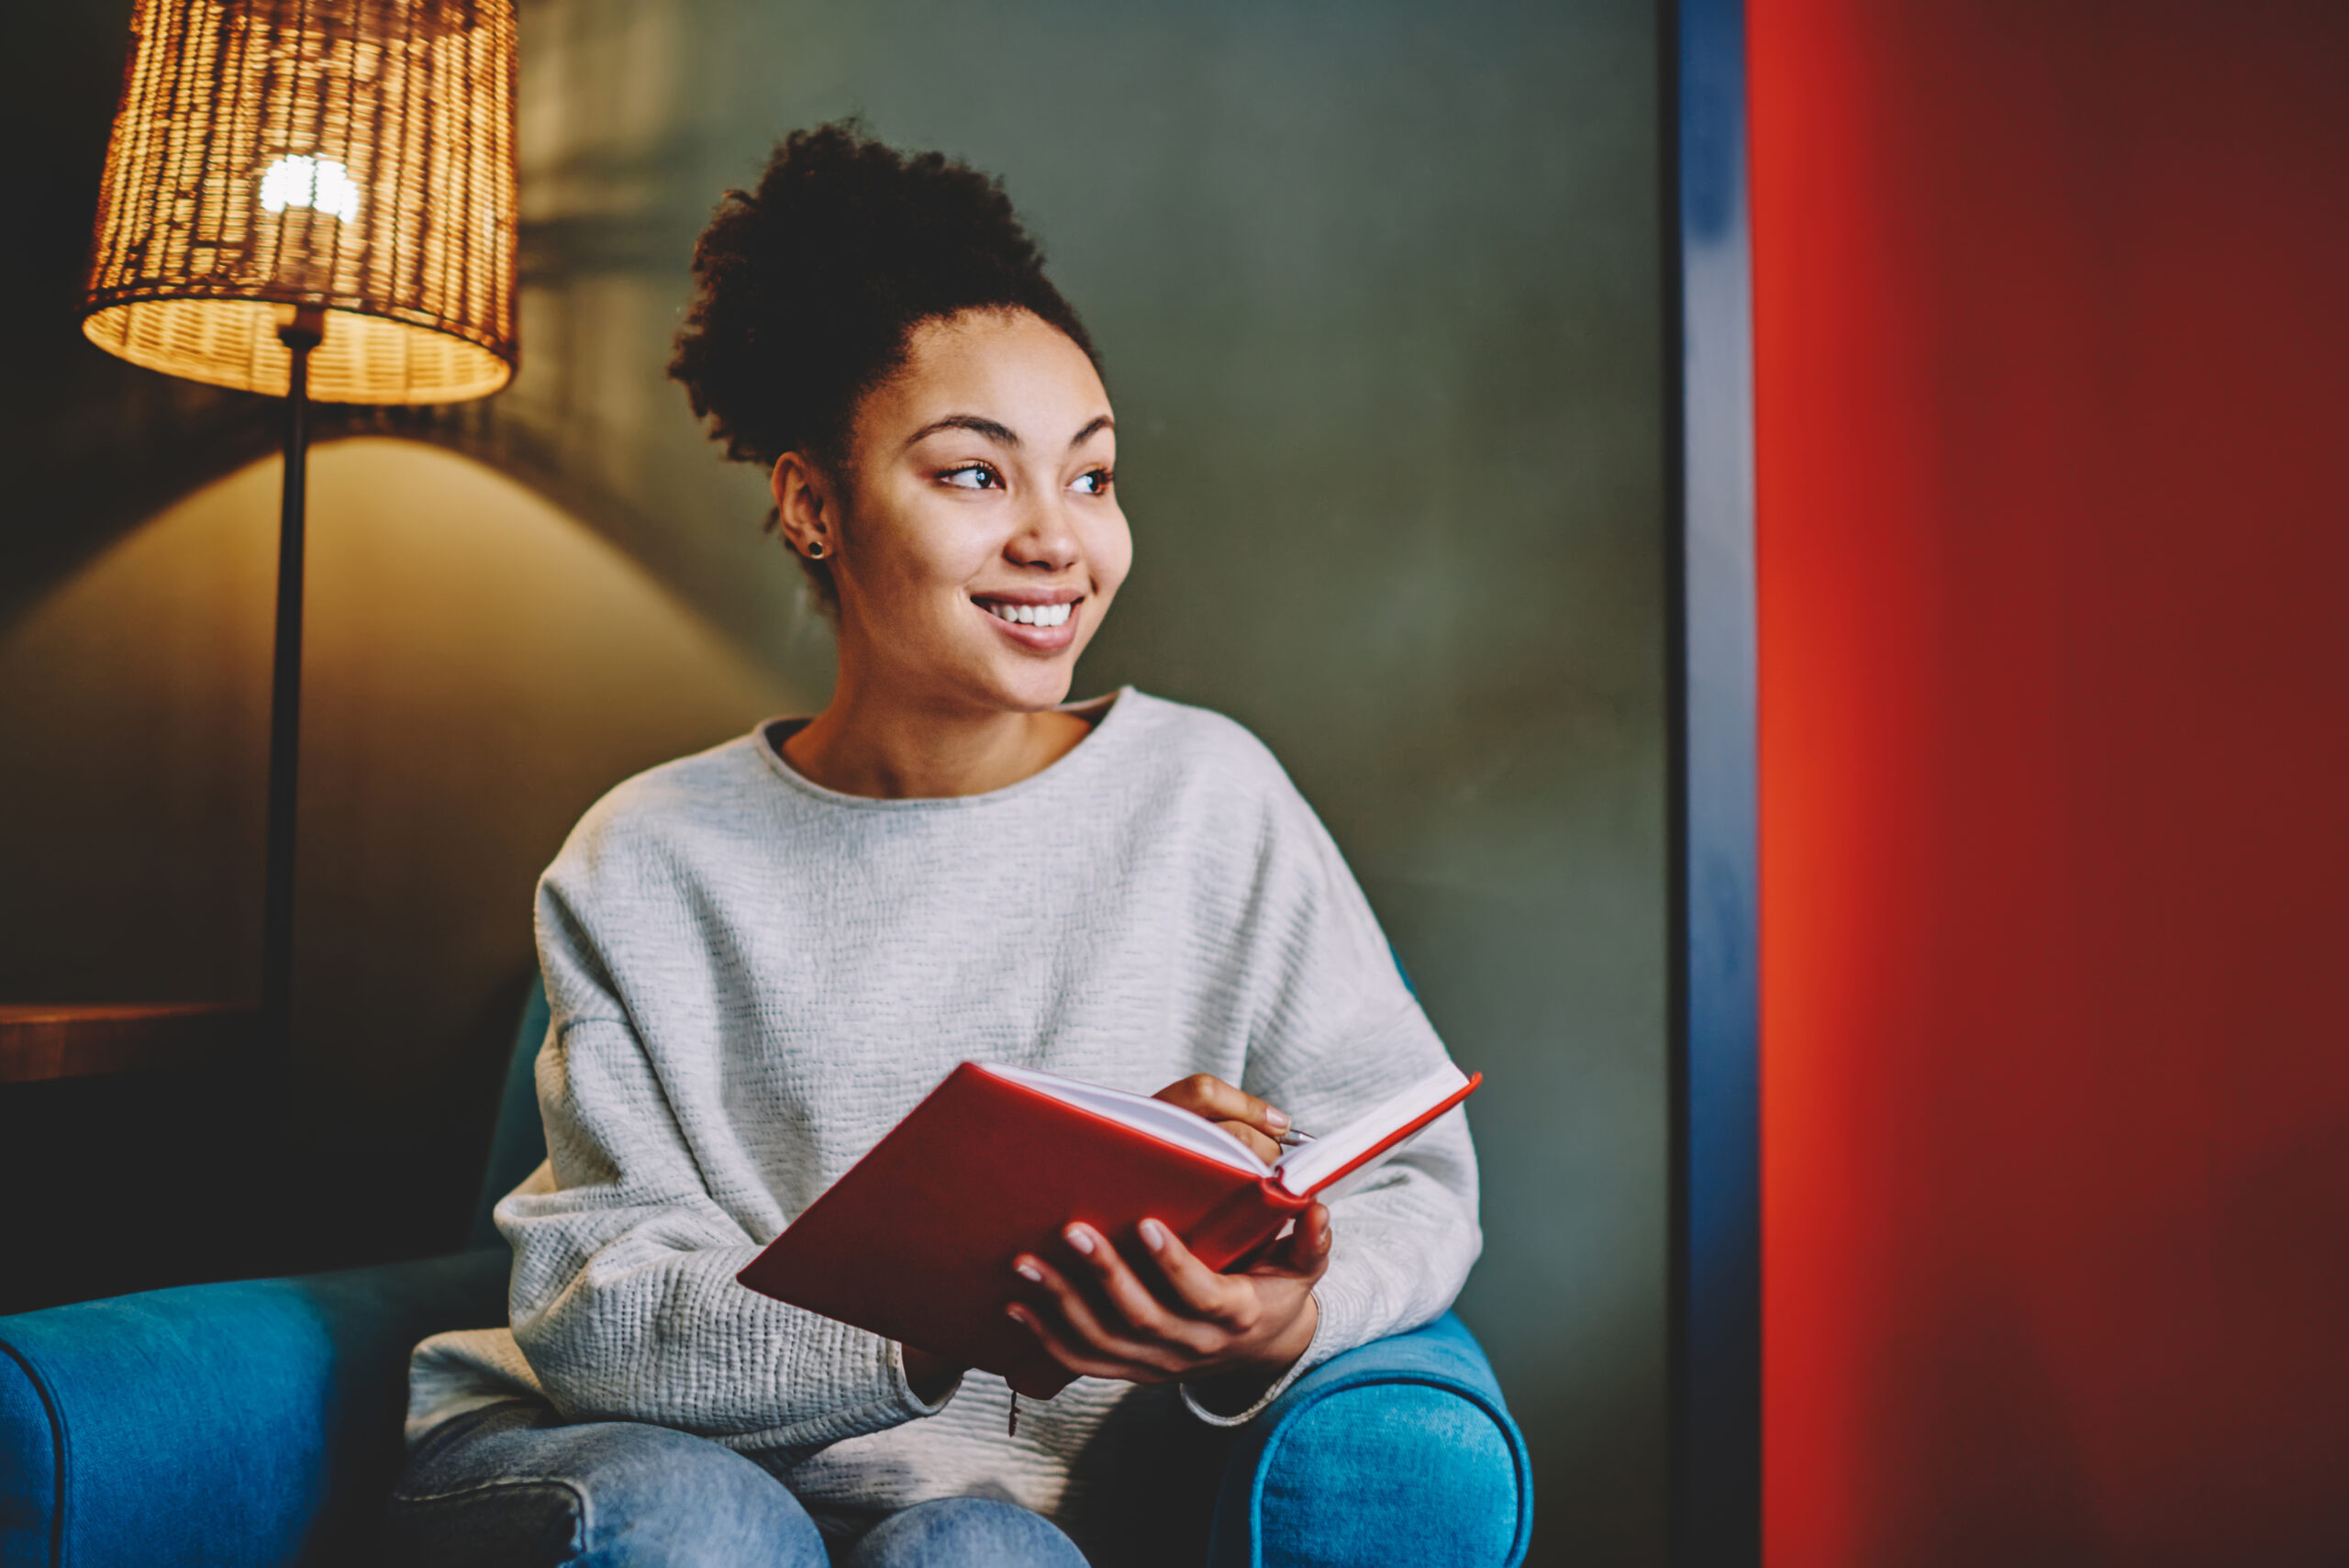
520	1140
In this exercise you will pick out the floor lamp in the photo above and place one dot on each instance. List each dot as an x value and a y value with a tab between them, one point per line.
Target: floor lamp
312	199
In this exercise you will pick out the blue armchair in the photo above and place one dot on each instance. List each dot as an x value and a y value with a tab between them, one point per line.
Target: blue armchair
258	1422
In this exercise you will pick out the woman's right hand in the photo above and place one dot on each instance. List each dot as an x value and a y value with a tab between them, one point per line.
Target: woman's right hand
1242	1114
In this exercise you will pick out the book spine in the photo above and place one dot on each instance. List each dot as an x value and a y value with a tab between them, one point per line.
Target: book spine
1243	1222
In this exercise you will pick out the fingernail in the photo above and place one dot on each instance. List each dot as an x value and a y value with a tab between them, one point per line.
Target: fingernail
1081	1239
1028	1272
1153	1235
1014	1315
1278	1119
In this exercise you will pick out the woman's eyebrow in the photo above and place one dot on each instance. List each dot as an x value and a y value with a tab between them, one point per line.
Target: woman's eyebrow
1002	434
979	423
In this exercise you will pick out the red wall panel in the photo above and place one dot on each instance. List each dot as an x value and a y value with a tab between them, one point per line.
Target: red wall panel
2051	352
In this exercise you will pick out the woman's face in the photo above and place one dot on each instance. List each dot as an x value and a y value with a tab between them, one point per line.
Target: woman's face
983	541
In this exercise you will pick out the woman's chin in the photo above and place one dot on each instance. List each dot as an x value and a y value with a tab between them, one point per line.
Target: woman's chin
1034	685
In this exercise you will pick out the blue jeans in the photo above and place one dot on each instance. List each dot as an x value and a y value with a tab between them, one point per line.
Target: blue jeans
510	1484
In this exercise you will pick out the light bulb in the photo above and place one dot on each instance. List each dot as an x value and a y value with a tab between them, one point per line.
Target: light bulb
320	183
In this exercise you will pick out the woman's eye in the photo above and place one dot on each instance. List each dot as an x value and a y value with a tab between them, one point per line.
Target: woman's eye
971	476
1096	482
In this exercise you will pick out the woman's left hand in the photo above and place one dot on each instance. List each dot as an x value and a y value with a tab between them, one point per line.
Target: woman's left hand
1186	1323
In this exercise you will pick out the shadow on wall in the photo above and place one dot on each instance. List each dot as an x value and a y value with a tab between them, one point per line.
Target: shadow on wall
478	669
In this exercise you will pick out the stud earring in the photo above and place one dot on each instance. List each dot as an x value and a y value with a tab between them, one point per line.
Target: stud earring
815	549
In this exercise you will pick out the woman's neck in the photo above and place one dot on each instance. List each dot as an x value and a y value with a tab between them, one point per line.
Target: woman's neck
861	744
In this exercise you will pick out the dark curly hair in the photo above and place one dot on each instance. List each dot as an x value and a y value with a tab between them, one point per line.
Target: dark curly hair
809	287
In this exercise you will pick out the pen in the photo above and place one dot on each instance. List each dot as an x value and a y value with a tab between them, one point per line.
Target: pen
1293	1138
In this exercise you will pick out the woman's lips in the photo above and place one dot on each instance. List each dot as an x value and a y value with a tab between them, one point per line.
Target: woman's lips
1042	628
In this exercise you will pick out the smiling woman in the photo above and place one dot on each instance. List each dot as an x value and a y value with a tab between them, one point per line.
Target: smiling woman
757	959
879	333
974	544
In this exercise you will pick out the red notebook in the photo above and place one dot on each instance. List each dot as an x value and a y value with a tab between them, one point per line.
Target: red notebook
915	1242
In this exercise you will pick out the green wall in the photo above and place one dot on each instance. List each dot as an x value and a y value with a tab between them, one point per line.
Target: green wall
1379	291
1377	287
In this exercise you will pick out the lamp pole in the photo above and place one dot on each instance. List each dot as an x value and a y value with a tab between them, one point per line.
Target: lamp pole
304	333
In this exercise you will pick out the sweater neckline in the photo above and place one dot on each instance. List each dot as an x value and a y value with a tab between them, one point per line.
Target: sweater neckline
769	737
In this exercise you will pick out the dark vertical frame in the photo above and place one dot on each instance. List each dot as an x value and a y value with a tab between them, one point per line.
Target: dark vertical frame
1716	1287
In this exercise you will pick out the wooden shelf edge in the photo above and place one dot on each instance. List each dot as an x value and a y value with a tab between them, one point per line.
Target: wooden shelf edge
39	1041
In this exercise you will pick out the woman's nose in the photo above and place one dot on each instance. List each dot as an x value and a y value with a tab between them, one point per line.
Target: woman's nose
1045	537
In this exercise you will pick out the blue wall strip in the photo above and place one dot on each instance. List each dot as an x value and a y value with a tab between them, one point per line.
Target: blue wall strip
1717	1260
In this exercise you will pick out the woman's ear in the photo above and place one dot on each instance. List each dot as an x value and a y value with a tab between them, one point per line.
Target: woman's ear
806	510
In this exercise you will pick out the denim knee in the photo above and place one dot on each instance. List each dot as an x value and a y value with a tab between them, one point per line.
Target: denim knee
513	1486
966	1532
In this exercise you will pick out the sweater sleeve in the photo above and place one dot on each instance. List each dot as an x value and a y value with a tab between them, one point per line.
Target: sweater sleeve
623	1296
1334	1030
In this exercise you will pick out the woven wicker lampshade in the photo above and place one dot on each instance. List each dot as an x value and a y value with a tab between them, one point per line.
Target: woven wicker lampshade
354	155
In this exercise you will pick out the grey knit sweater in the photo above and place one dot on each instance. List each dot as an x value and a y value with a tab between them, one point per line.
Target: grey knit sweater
753	978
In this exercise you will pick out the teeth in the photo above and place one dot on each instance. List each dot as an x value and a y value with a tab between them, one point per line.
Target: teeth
1031	615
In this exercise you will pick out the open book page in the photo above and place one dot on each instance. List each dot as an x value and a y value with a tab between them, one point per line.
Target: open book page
1171	1124
1309	1167
1303	1170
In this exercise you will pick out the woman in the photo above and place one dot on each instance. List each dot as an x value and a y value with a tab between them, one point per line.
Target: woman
760	958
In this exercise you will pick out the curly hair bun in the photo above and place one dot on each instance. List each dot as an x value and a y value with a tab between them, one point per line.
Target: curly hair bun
807	287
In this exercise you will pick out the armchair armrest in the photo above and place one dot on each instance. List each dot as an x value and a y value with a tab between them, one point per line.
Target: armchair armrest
1406	1440
249	1422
